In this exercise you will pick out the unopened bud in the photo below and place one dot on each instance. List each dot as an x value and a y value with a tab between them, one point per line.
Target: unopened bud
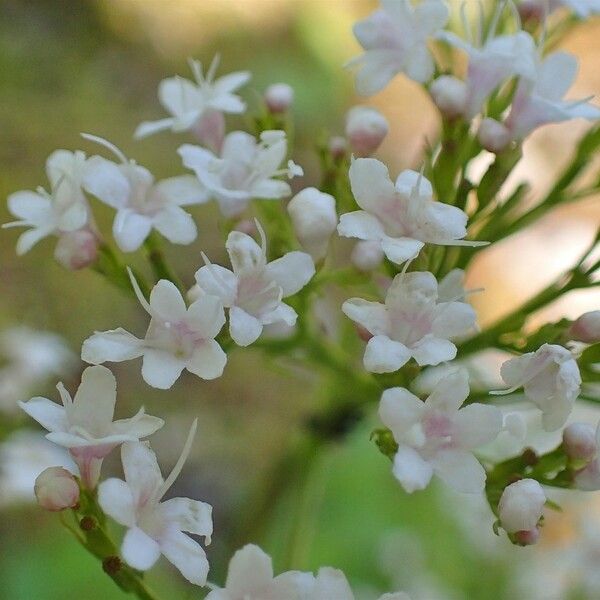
338	147
450	95
314	219
493	135
366	255
76	249
56	489
247	226
521	505
526	538
586	328
579	441
366	128
279	97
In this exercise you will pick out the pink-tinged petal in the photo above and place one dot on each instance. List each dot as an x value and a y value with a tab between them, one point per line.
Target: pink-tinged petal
89	462
176	225
452	319
185	554
115	499
142	472
291	272
460	470
399	410
383	355
399	250
151	127
161	369
411	470
450	392
243	327
48	414
206	316
250	570
105	180
371	315
433	351
371	184
130	229
188	515
476	425
218	281
166	302
115	345
362	225
139	550
94	403
208	360
183	190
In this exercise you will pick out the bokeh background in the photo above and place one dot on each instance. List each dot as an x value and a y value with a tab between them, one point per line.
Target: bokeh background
71	66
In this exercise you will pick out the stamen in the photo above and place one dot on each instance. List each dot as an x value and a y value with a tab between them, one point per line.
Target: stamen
465	23
196	67
65	397
214	65
138	292
263	239
108	145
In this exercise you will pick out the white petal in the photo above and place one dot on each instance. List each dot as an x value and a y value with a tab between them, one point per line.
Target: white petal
331	583
400	410
291	272
185	554
371	184
30	238
115	345
243	327
270	189
176	225
245	254
283	312
476	425
141	425
29	206
130	229
142	472
460	470
419	64
362	225
179	96
408	181
166	301
250	570
399	250
161	369
115	499
411	470
377	69
184	190
94	403
231	82
208	360
450	392
105	180
433	351
556	75
206	316
188	515
218	281
383	355
371	315
48	414
151	127
139	550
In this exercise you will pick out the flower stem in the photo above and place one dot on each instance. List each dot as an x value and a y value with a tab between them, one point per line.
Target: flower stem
160	267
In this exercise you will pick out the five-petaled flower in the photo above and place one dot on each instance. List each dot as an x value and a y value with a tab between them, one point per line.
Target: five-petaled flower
85	423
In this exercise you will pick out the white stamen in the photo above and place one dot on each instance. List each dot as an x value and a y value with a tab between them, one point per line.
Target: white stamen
138	292
108	145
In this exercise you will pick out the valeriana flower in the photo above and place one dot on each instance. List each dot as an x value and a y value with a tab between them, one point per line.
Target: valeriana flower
437	436
250	577
539	98
62	210
85	423
178	338
254	289
550	378
401	217
142	204
395	41
411	323
188	101
155	527
520	510
245	169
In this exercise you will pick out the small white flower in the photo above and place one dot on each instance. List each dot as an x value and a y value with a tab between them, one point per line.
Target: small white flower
437	436
245	169
550	378
250	577
155	527
366	128
401	217
178	338
279	97
254	289
142	204
395	40
85	423
521	505
411	323
188	101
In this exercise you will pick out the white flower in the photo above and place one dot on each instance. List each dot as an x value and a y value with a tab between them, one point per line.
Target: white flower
279	97
188	101
56	489
85	424
142	204
395	40
155	527
253	291
521	505
62	210
245	169
435	437
550	378
178	338
539	98
314	220
366	128
250	577
402	218
411	323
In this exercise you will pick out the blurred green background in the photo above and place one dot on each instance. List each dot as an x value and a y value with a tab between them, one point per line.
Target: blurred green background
93	66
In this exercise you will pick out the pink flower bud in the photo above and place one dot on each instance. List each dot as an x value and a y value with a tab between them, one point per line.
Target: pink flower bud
365	129
76	249
521	504
366	255
586	328
56	489
338	146
493	135
534	10
279	97
579	440
210	130
450	95
526	538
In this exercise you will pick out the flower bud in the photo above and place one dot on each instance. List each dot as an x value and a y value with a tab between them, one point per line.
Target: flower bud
56	489
314	219
579	441
493	135
279	97
338	146
532	10
526	538
76	249
521	505
366	255
450	95
365	129
210	130
586	328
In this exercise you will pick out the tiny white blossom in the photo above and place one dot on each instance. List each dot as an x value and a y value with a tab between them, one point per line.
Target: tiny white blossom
550	378
189	101
254	289
395	39
366	128
401	217
178	338
437	436
521	505
411	323
155	527
142	204
84	424
245	169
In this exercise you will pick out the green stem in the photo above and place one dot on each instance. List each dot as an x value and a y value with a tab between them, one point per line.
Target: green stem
161	268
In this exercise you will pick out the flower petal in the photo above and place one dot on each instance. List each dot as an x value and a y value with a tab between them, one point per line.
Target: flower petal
362	225
139	550
94	403
383	355
208	360
105	180
206	316
450	392
218	281
291	272
185	554
399	250
460	470
183	190
115	345
411	470
243	327
176	225
130	229
433	351
371	315
142	472
250	570
188	515
161	369
48	414
399	410
371	184
116	500
476	425
166	302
